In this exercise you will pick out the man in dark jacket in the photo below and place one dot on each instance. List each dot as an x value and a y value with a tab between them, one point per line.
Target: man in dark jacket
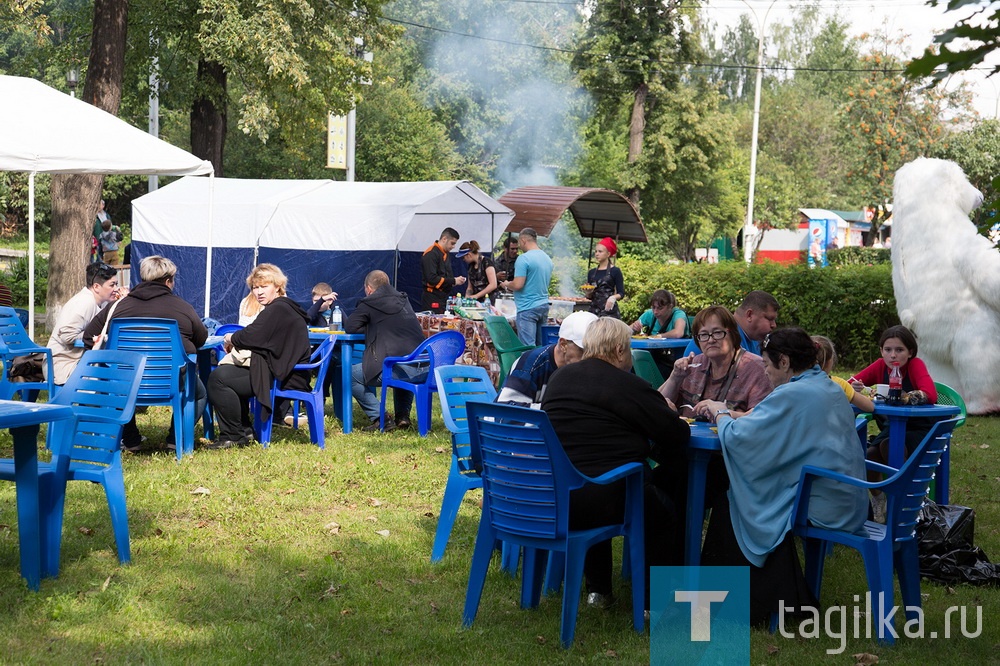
438	278
391	328
155	297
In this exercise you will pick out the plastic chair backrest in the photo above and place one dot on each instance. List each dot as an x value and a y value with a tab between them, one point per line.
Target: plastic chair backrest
504	337
949	396
644	366
319	360
102	392
159	340
527	477
458	385
12	332
440	349
907	489
222	330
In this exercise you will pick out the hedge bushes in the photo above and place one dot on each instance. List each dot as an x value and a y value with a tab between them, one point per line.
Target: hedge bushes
850	304
17	279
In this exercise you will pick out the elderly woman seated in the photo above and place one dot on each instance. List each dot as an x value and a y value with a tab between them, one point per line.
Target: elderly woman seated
804	421
605	417
723	371
277	340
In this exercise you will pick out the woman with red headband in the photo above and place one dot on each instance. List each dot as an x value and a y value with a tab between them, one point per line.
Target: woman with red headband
609	285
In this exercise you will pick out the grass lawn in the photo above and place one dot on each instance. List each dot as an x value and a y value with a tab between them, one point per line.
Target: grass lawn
300	556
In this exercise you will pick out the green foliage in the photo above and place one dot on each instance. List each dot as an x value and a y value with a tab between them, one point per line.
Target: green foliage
977	36
16	277
859	256
977	151
851	305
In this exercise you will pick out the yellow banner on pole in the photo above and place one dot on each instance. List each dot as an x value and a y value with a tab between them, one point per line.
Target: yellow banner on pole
336	142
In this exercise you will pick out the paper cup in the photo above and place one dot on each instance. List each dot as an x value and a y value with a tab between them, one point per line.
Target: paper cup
882	390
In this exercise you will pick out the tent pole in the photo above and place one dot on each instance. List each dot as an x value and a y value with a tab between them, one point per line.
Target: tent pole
208	250
590	256
31	255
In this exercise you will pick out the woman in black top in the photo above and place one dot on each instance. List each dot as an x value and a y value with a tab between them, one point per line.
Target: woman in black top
482	273
609	285
278	339
605	417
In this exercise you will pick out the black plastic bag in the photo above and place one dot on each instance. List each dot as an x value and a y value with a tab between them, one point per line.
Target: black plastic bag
947	550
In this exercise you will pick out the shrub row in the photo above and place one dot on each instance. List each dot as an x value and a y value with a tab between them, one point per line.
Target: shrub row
16	277
850	304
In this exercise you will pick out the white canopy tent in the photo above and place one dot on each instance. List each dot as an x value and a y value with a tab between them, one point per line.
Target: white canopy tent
318	230
43	130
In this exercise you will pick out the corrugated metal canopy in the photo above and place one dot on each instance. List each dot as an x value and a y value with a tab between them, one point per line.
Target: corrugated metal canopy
598	212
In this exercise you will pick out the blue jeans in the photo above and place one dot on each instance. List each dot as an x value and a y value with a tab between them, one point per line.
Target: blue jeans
365	395
530	322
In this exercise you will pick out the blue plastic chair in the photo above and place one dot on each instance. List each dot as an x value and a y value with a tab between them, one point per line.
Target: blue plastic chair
206	364
159	340
14	341
886	547
319	361
440	349
458	385
220	349
102	392
527	481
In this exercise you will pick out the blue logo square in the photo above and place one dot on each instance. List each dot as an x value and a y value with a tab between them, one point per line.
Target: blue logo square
699	615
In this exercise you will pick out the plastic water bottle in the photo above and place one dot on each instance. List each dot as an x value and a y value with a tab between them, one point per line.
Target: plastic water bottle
337	320
895	385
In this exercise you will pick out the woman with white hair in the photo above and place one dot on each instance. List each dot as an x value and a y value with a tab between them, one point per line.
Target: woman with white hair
606	416
277	339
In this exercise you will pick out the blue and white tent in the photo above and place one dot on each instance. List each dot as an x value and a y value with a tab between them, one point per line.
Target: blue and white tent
315	230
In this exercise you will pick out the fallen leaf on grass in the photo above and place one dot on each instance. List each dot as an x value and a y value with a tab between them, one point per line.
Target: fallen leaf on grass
429	514
158	532
371	519
202	523
984	446
773	649
107	581
331	591
369	459
201	490
611	653
374	502
289	491
87	531
332	528
434	607
540	640
384	533
346	611
439	449
865	658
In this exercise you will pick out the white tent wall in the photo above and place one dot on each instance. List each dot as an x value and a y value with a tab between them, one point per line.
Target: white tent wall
316	231
43	130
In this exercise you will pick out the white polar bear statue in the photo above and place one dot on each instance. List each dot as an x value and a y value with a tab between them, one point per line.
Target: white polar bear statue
946	277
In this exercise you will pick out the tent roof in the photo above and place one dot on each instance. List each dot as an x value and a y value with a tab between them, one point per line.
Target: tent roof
43	130
823	214
597	212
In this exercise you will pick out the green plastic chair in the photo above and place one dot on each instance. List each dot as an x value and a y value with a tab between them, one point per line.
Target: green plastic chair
509	347
644	366
949	396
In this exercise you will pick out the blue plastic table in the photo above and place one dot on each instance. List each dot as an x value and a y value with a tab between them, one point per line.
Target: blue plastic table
660	343
23	419
704	443
897	417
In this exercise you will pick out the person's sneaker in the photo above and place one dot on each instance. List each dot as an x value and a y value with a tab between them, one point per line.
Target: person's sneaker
598	600
221	444
878	508
403	423
290	419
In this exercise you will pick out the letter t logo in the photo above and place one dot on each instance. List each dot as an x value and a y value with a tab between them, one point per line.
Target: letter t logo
701	615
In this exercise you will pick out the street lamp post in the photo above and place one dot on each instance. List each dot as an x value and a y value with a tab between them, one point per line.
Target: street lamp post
749	229
72	79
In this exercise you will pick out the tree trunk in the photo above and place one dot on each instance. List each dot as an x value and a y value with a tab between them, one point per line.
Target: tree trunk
636	129
208	115
75	196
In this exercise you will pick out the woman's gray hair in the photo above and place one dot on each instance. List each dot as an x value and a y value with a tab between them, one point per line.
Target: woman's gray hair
157	269
605	338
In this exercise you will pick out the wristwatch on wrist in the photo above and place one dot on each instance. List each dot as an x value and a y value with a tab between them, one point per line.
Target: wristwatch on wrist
723	411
